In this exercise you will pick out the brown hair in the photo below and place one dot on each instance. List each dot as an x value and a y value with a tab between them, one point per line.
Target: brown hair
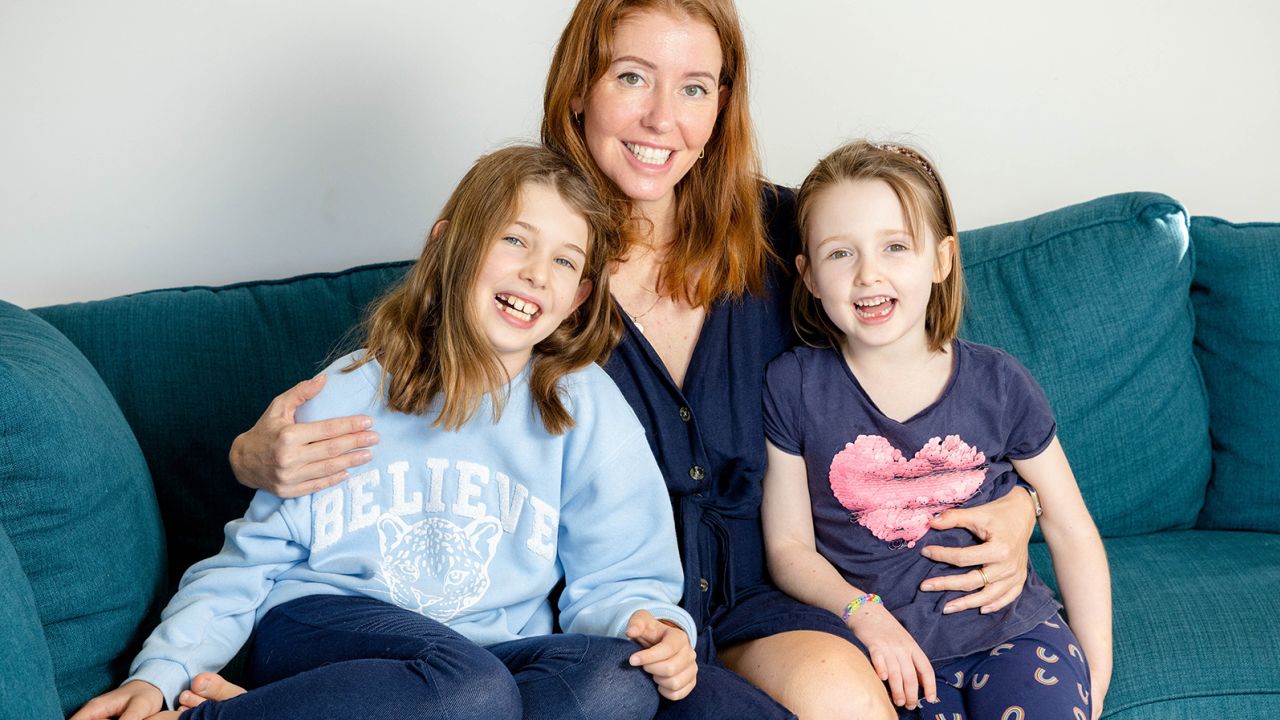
927	205
719	247
424	332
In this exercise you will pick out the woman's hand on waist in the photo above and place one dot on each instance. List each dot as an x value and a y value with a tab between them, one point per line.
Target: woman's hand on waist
999	562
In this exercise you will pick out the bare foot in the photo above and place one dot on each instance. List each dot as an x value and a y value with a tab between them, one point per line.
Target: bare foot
208	686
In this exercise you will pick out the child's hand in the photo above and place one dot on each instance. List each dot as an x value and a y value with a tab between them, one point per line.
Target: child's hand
208	686
667	656
894	654
134	700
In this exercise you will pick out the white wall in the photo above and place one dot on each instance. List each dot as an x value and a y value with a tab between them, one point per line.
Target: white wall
153	143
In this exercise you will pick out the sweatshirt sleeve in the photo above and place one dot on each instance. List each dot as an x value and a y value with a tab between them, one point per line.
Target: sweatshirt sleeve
618	547
216	605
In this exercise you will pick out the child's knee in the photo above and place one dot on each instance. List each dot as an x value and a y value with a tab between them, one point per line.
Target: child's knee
606	684
477	691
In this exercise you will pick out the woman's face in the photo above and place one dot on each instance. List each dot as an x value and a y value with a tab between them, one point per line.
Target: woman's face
648	118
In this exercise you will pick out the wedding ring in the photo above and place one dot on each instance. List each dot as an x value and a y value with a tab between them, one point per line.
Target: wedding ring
985	580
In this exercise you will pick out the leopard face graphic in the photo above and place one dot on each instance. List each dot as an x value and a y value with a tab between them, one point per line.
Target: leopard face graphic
434	566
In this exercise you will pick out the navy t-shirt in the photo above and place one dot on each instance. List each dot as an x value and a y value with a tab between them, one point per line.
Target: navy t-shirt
874	482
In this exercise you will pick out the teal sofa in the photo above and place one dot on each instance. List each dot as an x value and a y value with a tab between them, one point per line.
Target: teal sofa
1156	336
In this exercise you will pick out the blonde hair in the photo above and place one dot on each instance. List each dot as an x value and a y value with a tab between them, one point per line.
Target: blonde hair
719	248
928	207
424	332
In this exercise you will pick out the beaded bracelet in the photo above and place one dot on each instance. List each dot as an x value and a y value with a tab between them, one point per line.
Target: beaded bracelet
852	607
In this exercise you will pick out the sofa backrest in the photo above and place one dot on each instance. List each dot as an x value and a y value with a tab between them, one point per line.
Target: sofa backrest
1094	300
191	368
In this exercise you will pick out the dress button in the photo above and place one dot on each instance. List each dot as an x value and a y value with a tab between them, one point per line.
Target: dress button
703	584
685	414
696	472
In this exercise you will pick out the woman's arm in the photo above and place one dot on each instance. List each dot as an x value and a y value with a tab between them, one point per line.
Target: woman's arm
1004	526
1079	560
803	573
290	459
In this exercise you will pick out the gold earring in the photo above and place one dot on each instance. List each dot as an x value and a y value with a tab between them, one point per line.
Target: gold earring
702	153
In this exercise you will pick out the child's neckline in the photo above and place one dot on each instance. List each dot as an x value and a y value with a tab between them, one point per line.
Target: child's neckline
956	359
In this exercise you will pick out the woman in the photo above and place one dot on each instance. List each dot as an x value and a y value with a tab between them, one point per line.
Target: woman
650	97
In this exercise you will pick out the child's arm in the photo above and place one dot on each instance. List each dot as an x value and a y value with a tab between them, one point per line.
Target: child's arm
617	544
215	607
1079	560
798	568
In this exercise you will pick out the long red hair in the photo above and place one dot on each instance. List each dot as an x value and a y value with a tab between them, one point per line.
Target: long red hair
719	248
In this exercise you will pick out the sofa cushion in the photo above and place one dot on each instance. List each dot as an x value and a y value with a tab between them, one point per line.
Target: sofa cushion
1236	294
193	367
1093	299
76	503
1192	620
27	687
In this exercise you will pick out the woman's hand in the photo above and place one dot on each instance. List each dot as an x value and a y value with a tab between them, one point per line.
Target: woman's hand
667	656
1000	563
290	459
895	655
135	700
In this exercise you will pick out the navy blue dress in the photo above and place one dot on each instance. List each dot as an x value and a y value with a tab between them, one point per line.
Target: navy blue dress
708	438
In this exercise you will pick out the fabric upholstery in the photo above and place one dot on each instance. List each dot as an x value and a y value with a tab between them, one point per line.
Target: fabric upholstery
1236	294
194	367
1092	298
77	505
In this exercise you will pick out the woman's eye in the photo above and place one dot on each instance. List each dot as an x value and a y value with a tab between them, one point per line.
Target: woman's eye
694	90
631	79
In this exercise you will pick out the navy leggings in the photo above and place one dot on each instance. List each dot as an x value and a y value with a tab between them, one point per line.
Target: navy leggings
336	657
1039	674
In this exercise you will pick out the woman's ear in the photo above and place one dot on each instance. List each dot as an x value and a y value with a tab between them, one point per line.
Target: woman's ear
438	228
576	105
945	257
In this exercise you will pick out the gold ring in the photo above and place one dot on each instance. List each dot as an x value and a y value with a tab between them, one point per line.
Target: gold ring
985	580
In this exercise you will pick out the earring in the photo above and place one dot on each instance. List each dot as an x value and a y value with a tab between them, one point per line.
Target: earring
577	118
702	153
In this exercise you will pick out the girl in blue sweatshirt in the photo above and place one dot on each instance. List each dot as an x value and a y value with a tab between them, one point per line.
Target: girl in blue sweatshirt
508	462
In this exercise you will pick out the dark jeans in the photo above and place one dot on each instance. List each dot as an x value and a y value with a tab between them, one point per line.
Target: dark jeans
342	657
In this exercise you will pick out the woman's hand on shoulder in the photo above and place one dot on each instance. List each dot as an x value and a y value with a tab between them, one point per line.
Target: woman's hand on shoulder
999	563
895	655
667	654
290	459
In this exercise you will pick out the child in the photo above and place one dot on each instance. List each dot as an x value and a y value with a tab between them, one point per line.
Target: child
889	420
509	461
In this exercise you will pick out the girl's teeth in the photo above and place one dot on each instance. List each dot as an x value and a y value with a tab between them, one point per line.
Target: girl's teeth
516	307
649	155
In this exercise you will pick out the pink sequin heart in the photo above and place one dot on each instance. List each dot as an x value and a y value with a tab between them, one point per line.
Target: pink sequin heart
895	498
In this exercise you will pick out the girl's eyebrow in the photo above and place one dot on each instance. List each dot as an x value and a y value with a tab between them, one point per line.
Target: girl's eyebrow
533	230
641	61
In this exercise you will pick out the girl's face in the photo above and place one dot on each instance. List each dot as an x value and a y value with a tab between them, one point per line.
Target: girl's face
531	278
871	275
648	118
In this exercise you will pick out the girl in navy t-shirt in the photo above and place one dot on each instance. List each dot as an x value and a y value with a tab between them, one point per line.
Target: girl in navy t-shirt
887	421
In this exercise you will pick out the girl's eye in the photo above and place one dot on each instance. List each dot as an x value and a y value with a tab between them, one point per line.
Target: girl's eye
513	240
566	262
839	254
631	79
897	247
694	90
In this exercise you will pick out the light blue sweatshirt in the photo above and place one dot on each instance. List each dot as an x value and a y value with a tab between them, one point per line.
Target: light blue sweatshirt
472	528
